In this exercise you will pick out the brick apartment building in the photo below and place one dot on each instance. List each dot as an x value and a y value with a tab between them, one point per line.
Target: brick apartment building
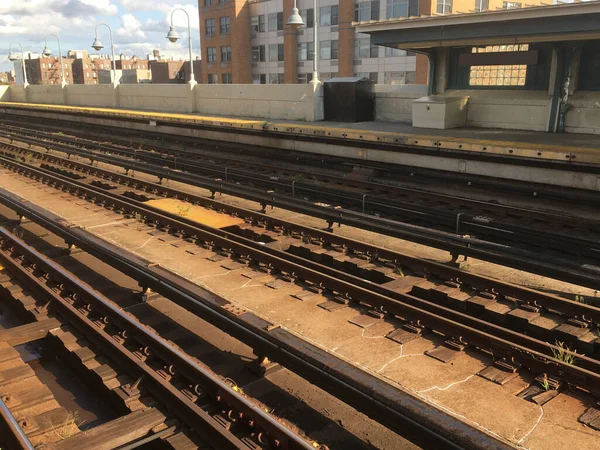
86	70
174	72
47	70
7	78
244	41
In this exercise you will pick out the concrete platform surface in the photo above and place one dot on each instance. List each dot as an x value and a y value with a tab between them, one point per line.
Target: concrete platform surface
580	148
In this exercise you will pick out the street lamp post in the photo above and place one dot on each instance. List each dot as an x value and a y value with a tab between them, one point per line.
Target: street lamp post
46	52
296	22
173	36
97	45
13	57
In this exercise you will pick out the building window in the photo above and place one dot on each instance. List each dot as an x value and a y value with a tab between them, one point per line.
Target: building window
212	78
259	78
43	65
399	78
276	21
87	74
482	5
66	74
505	75
226	78
224	22
226	53
308	17
511	5
93	74
257	24
397	8
258	53
328	16
276	52
211	54
272	22
87	66
364	49
328	50
304	78
306	51
209	2
444	6
276	78
389	52
368	10
210	27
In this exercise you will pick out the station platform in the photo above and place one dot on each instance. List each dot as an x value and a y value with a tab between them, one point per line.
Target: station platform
575	148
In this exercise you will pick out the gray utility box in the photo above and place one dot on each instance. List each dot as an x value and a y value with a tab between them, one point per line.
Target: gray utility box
349	100
440	112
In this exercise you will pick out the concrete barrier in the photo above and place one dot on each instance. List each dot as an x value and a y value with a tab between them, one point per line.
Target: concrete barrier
282	101
584	115
98	96
394	103
5	93
52	94
293	102
513	110
156	97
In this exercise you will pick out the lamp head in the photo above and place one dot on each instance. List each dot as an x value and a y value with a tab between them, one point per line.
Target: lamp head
12	56
295	19
46	52
97	45
172	35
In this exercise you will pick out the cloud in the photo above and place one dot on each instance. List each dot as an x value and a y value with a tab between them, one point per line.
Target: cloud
67	8
131	28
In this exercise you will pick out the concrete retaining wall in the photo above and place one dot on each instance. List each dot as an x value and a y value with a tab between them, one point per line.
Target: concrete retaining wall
99	96
49	94
394	103
513	110
292	102
5	93
17	94
584	115
156	97
282	101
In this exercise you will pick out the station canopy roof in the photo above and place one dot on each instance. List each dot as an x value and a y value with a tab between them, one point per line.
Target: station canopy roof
546	23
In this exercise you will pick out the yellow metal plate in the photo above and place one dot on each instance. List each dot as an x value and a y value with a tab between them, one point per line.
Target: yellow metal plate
196	213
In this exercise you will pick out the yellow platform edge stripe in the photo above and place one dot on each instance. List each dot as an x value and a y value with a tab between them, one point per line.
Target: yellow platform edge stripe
525	149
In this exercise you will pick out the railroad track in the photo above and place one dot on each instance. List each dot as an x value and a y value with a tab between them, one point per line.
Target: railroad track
581	270
174	395
492	318
393	407
244	155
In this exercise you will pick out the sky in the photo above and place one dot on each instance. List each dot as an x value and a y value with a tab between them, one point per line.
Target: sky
138	26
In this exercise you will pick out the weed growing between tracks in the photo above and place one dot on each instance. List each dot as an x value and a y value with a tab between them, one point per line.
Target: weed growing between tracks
564	353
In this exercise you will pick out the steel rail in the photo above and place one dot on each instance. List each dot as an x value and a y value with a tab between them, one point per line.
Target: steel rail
502	342
12	434
373	189
57	286
565	270
394	407
529	296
